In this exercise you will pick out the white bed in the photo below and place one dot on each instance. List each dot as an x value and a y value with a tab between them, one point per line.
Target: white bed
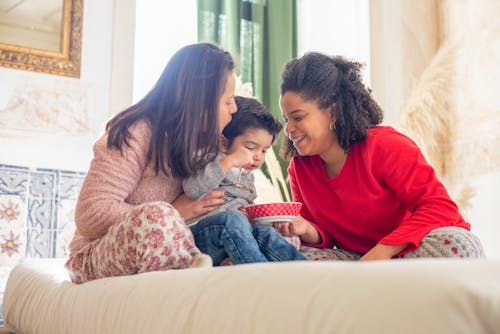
398	296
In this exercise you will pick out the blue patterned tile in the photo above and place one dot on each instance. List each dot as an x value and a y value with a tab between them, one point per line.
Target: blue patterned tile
63	239
65	227
13	180
39	243
12	229
69	184
12	209
12	246
38	212
42	213
43	183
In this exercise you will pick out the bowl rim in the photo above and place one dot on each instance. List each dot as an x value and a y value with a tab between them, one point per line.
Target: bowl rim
253	205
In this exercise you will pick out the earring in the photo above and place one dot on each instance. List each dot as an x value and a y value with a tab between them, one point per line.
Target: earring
332	126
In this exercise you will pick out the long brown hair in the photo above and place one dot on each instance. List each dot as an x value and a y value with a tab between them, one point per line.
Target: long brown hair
182	110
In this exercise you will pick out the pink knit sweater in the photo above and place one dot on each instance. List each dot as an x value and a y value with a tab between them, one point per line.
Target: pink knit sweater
116	183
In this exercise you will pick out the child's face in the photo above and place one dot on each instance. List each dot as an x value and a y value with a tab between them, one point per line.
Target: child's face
258	141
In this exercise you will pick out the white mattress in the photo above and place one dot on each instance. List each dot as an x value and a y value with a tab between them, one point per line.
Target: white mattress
398	296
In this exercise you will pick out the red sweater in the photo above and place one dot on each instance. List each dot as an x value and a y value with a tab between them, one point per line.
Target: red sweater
385	193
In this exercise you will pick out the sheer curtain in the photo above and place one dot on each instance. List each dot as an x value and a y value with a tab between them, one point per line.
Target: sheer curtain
161	28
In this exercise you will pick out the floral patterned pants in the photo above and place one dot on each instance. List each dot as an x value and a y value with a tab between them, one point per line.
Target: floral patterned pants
441	242
151	237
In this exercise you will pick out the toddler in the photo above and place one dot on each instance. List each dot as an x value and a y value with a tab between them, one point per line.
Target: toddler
226	231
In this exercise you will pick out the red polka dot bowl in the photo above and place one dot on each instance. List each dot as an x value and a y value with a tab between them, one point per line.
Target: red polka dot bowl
268	213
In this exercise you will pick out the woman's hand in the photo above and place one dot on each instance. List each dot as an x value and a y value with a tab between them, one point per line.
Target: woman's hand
297	226
383	252
191	208
301	227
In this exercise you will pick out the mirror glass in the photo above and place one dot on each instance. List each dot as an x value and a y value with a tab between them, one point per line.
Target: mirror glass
41	35
31	23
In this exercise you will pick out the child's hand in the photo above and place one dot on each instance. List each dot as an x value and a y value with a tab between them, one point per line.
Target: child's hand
240	157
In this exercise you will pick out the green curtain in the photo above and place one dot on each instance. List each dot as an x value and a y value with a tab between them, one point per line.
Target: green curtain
260	34
262	37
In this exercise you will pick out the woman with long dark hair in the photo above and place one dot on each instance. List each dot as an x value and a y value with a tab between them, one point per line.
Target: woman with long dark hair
131	210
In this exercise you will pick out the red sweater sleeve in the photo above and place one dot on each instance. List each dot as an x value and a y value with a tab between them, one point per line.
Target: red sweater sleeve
401	167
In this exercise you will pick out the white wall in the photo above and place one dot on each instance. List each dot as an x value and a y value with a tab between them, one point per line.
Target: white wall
122	61
404	38
162	27
26	141
483	215
335	27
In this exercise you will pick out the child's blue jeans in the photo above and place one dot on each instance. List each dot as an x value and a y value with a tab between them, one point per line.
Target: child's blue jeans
229	233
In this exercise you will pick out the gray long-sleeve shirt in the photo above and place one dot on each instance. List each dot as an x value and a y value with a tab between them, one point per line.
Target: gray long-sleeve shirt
213	177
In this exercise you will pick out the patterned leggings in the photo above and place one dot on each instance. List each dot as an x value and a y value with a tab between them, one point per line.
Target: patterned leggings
442	242
151	237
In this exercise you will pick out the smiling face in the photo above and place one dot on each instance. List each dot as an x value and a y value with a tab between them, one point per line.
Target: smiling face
257	141
306	125
227	106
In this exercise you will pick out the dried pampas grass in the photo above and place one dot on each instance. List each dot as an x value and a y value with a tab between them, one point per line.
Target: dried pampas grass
429	118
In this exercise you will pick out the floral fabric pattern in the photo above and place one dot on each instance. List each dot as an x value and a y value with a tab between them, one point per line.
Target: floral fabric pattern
151	237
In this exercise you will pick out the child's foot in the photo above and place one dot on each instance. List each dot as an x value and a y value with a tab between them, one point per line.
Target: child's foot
201	261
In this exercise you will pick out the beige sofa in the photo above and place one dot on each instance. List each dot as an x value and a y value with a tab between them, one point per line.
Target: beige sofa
398	296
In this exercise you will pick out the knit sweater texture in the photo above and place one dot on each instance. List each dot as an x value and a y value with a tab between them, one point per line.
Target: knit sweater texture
117	182
385	193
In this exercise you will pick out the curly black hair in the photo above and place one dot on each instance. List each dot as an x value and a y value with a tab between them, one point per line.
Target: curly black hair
251	114
332	82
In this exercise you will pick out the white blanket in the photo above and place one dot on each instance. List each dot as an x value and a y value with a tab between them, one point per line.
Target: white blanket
399	296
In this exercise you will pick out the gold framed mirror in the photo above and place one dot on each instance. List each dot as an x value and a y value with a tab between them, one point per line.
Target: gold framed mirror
26	43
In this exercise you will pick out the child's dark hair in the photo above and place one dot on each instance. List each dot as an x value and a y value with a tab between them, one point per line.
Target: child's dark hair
251	114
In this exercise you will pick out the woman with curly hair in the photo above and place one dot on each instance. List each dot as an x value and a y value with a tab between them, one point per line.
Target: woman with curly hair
368	192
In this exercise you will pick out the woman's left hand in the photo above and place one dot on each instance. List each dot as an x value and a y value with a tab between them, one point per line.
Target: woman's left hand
191	208
300	227
383	252
297	226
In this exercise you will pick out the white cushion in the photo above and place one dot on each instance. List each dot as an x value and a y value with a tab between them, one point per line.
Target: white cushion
399	296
